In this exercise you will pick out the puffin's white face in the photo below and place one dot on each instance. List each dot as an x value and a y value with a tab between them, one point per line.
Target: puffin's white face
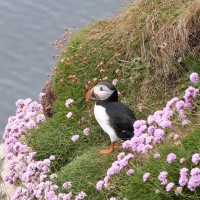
102	91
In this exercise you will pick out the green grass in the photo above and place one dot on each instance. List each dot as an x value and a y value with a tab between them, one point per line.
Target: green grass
123	43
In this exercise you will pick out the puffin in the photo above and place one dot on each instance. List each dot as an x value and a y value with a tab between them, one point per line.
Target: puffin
114	117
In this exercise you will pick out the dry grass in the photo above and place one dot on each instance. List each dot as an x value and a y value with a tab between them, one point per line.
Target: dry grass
48	100
161	34
169	27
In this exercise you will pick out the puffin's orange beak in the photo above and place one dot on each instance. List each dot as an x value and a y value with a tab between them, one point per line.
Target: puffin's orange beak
88	95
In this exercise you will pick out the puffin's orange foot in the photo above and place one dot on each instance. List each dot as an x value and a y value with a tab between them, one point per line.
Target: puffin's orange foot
106	151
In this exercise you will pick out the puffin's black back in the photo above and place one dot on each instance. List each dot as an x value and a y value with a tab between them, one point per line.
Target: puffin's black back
121	119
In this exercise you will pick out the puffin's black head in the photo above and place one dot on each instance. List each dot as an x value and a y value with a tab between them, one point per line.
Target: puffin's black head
103	91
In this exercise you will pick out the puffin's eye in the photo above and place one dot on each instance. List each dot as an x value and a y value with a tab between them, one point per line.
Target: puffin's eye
101	89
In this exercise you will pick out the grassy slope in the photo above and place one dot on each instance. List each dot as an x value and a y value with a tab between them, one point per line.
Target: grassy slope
134	53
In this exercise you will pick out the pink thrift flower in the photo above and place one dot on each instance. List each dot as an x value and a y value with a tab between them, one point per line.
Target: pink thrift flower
115	82
146	176
156	155
195	171
164	182
165	124
130	172
151	119
106	180
185	122
183	180
182	160
74	138
194	77
151	129
52	157
139	123
157	191
183	171
69	102
86	131
172	102
191	94
120	156
31	124
41	95
149	139
162	176
20	103
40	118
195	158
176	137
69	115
171	157
81	196
146	148
158	135
178	190
99	185
67	185
169	186
194	180
180	105
62	196
53	176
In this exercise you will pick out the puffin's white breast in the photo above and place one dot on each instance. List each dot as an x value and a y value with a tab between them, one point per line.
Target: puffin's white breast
103	120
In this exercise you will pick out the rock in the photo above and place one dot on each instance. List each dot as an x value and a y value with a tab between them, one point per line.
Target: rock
6	190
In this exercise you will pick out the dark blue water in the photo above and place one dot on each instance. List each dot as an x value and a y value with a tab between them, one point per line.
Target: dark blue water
26	29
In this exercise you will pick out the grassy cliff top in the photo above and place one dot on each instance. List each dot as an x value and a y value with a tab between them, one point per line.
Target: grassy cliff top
150	47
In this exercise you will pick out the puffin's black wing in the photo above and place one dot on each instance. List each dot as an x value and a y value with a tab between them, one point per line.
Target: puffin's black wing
121	118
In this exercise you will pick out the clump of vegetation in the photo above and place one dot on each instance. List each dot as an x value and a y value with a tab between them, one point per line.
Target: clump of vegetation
149	48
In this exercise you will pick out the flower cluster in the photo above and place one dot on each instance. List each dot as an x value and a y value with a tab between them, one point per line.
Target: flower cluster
191	180
116	168
69	115
33	175
194	180
163	177
151	132
69	102
146	176
81	196
74	138
195	158
171	157
67	185
86	131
